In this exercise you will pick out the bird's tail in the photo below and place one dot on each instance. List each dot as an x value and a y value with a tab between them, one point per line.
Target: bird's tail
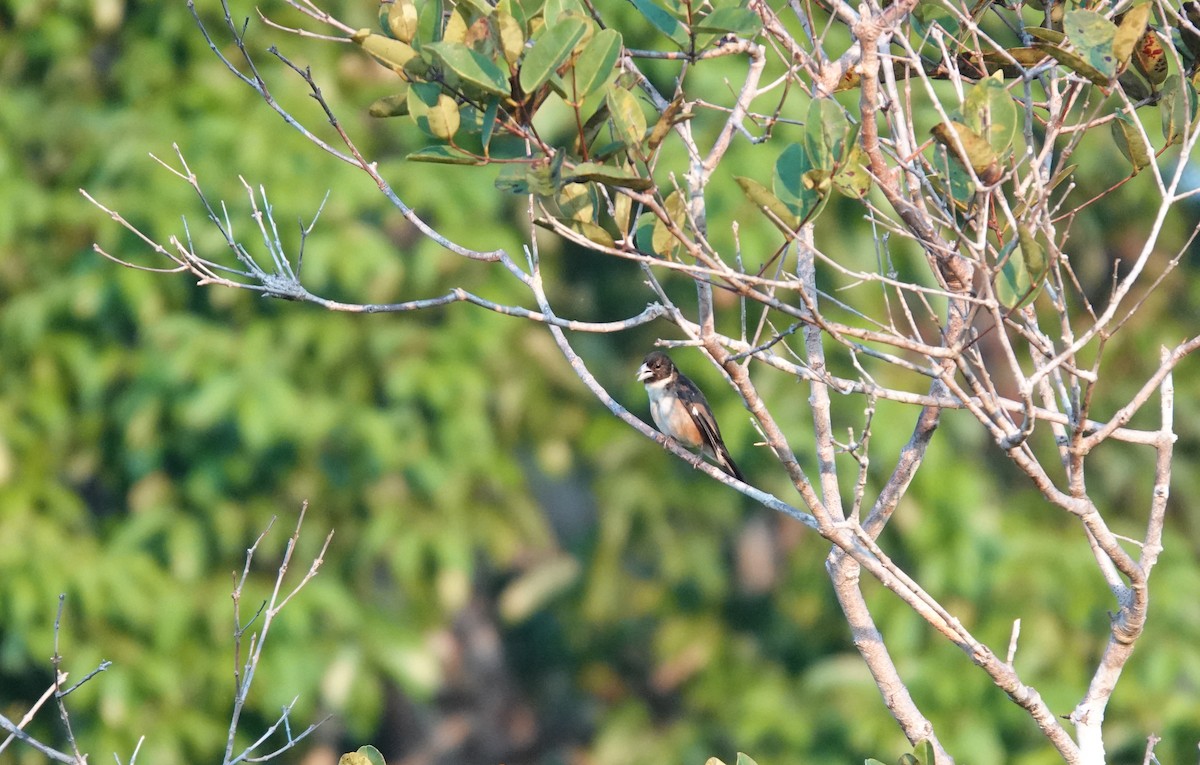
726	463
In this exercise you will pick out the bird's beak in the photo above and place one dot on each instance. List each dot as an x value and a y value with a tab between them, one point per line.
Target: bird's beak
644	373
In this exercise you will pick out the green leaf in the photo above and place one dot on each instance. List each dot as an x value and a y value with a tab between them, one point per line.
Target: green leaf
928	15
555	10
644	233
373	755
1092	37
1032	253
609	176
675	112
762	197
429	21
990	111
745	759
1013	287
825	133
402	20
434	112
390	106
1074	62
924	752
596	63
550	51
391	53
1134	86
513	178
852	178
1178	107
1150	59
1127	135
1042	34
790	169
576	201
444	155
489	122
742	22
663	242
1002	61
1133	25
477	7
592	231
512	36
629	123
663	22
470	67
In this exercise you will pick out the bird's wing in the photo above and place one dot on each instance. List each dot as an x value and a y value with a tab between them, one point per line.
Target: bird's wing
691	397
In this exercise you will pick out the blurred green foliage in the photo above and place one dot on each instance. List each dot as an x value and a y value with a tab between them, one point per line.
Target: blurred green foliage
150	429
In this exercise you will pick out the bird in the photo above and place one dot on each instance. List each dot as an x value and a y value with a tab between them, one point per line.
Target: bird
680	410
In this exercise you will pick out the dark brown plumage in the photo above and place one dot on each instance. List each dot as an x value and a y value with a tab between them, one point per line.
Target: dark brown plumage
681	412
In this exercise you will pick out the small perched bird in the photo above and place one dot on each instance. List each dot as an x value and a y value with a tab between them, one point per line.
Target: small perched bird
680	411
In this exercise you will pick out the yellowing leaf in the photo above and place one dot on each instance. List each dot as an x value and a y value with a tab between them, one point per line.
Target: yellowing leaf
402	20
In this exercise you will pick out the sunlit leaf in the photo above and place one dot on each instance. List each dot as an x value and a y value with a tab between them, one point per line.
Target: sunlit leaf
512	37
513	178
576	201
1150	59
470	67
593	232
988	109
664	242
1092	37
1042	34
1032	253
1132	26
923	752
402	20
852	178
1074	62
391	53
677	111
969	148
629	122
555	10
373	755
550	51
433	111
597	62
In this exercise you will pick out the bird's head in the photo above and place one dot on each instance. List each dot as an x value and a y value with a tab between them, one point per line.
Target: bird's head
656	366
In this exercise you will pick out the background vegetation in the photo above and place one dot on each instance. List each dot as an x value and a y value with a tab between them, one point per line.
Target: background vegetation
515	576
